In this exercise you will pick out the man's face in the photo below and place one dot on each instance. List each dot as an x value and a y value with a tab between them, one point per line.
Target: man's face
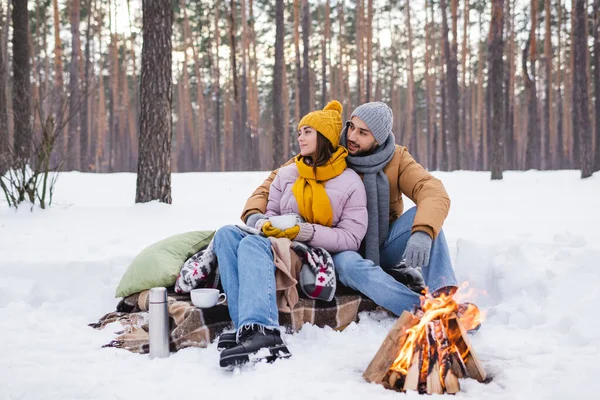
360	138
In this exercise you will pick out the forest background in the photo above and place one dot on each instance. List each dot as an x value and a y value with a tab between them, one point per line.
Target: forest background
478	85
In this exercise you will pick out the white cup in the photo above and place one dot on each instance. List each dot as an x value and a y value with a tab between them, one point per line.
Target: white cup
207	298
283	222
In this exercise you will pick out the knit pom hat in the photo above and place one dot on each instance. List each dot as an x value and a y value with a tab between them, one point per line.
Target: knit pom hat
378	117
327	121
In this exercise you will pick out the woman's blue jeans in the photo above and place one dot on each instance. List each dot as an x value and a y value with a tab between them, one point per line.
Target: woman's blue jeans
247	274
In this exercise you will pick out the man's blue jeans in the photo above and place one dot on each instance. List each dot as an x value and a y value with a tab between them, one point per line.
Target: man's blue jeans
247	273
371	280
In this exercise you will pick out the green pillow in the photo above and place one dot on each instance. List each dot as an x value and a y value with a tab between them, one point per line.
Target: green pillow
160	263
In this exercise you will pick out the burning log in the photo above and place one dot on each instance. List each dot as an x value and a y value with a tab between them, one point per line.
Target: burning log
379	368
412	377
473	365
427	353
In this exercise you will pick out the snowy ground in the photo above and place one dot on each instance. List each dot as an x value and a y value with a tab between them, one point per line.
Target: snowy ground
529	247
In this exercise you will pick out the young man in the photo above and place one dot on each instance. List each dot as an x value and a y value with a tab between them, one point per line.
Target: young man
416	237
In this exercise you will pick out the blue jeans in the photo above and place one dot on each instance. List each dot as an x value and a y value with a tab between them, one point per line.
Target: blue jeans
247	274
371	280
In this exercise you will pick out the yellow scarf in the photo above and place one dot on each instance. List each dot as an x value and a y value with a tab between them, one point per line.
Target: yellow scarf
309	189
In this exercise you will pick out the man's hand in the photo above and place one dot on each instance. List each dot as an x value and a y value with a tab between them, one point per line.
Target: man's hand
256	220
417	250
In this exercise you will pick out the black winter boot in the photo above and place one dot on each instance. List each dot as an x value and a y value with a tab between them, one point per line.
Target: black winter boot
226	341
251	342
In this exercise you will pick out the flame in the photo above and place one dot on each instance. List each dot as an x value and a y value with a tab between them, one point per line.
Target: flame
433	308
466	293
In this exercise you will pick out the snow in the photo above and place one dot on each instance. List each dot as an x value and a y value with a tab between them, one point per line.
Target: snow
529	247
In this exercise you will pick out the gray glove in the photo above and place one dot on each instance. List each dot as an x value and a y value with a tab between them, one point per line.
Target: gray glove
417	250
254	218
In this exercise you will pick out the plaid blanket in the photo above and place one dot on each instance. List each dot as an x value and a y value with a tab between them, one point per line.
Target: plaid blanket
194	327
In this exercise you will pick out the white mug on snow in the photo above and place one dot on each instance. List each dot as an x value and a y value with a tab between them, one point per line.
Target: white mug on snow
207	298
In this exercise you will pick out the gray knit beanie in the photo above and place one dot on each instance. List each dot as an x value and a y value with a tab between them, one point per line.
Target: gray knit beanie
378	117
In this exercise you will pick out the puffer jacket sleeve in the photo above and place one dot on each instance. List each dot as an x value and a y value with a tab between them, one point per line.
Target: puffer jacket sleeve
275	193
257	202
427	192
352	226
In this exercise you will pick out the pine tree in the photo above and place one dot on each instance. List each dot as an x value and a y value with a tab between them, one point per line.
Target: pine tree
533	151
305	87
597	80
279	126
73	139
496	47
154	164
4	138
581	117
21	82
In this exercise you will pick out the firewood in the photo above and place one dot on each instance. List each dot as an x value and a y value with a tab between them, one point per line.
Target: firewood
411	382
434	386
394	376
388	351
473	365
451	383
457	365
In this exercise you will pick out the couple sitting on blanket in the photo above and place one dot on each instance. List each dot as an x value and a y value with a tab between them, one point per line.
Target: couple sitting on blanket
376	249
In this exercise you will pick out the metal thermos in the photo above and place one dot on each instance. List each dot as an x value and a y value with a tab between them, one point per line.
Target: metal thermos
159	323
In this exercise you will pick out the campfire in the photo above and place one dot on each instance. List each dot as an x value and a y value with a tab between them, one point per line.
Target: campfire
428	351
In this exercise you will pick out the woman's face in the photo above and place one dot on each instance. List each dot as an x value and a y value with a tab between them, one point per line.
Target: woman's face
307	139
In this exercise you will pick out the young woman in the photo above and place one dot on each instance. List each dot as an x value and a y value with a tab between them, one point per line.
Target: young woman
330	199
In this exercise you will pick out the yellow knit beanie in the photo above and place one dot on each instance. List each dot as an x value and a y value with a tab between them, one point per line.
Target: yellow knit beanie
327	121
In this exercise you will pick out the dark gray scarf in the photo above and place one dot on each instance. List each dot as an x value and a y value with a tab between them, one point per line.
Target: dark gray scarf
377	187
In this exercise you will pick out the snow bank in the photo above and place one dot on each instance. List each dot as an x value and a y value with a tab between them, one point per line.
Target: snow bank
528	246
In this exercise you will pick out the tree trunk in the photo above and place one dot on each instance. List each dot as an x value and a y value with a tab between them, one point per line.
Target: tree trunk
412	92
325	54
235	115
369	37
597	80
533	146
245	157
343	95
464	132
217	142
479	142
154	164
429	82
113	138
509	122
298	64
550	142
99	139
359	19
255	113
560	147
85	109
442	136
21	82
581	117
128	131
200	124
4	138
73	140
305	86
452	94
496	47
278	76
57	97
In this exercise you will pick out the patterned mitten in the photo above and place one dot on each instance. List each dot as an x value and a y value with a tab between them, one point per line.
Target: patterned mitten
196	270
